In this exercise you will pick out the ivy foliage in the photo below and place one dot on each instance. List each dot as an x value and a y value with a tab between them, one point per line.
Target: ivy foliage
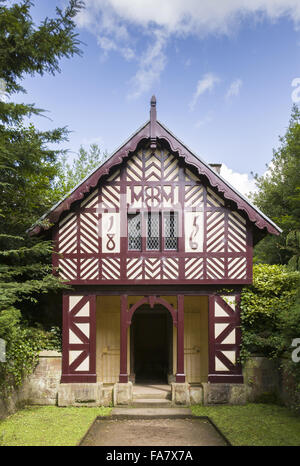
23	346
25	275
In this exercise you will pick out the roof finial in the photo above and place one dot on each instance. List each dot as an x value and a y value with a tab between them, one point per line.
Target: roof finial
153	122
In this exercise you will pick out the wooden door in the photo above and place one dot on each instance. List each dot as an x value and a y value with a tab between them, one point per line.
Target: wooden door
108	340
192	345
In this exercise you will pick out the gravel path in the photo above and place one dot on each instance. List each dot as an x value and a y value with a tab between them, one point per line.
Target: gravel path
148	432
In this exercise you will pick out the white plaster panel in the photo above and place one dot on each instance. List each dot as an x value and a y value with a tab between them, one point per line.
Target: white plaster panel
230	355
85	328
219	366
73	339
230	339
219	311
85	365
73	355
193	224
219	329
111	232
84	311
73	300
230	300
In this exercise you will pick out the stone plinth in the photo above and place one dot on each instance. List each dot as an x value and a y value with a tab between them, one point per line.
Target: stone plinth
180	393
80	394
224	393
196	395
123	393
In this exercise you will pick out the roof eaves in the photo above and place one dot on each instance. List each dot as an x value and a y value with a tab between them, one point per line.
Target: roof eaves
46	214
222	179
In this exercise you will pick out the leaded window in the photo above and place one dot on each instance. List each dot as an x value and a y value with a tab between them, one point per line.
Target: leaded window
170	230
134	232
153	231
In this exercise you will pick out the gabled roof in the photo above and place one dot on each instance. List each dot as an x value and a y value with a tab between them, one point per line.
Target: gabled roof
154	131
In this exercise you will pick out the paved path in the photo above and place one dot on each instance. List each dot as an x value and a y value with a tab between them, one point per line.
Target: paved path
157	427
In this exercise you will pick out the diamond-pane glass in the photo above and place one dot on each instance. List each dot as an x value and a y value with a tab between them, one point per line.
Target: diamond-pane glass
171	230
134	232
153	231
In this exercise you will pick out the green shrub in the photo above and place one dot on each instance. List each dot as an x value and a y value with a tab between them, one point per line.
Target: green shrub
267	311
270	320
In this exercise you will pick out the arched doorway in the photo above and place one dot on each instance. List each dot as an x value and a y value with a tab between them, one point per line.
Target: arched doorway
151	343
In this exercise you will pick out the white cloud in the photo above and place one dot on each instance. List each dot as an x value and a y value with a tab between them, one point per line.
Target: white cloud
126	22
234	89
107	45
189	16
203	121
241	181
151	64
205	84
296	92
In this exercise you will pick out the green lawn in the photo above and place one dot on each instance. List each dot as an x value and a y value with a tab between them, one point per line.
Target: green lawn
254	424
48	425
251	424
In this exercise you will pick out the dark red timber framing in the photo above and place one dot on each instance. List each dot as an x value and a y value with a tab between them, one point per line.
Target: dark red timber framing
156	132
90	254
155	173
216	230
224	339
79	338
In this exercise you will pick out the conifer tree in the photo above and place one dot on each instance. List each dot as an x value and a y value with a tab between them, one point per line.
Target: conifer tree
278	197
28	167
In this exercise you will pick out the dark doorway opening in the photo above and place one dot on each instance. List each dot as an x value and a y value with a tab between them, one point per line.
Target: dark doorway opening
151	344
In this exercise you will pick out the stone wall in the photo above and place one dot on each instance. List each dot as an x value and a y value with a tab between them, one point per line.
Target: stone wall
263	382
11	405
40	388
262	379
266	382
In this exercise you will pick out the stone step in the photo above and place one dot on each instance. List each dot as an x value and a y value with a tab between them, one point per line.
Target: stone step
144	413
151	403
152	396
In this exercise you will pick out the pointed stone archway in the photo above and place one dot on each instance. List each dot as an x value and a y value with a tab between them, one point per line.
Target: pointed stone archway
126	321
151	345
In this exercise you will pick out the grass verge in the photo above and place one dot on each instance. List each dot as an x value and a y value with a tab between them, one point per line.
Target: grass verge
48	425
254	424
251	424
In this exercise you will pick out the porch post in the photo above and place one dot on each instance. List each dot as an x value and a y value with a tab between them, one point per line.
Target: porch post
180	375
123	378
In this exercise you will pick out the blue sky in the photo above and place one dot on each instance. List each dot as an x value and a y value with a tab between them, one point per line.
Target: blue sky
222	73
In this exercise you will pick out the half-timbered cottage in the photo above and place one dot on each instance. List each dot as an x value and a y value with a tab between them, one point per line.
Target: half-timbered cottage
157	246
